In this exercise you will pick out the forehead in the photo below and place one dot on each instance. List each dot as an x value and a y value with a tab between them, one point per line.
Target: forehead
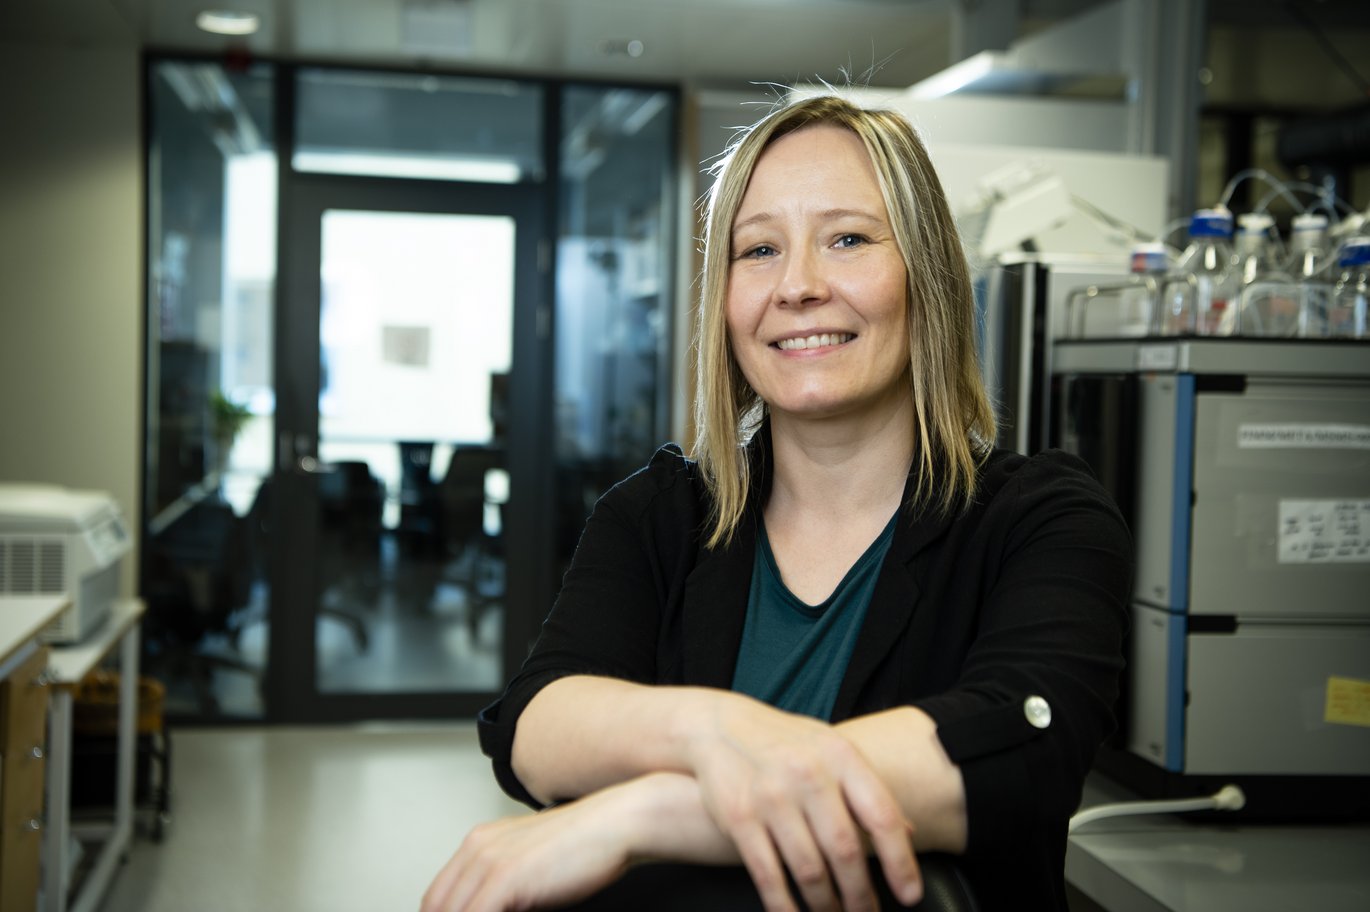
822	163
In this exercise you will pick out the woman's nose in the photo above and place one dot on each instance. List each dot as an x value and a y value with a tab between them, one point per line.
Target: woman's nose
803	282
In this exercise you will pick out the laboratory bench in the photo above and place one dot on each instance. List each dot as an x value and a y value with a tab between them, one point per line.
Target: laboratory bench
40	844
1171	863
23	742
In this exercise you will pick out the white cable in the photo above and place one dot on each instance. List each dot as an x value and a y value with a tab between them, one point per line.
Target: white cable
1324	197
1227	798
1240	176
1108	221
1279	188
1284	191
1171	228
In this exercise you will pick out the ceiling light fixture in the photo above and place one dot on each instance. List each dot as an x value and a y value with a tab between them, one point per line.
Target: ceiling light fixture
228	22
398	164
958	76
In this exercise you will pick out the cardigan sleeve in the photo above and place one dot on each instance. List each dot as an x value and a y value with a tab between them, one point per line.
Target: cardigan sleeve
606	618
1034	696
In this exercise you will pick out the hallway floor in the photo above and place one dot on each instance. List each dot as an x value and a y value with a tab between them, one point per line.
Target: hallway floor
310	819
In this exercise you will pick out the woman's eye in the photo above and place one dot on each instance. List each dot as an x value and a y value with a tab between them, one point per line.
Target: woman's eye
850	240
758	252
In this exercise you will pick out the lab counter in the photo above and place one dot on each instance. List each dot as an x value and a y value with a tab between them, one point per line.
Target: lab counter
1166	863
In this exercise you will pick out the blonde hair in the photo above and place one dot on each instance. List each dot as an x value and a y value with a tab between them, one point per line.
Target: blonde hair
953	421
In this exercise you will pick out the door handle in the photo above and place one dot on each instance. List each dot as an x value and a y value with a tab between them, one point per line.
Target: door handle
297	450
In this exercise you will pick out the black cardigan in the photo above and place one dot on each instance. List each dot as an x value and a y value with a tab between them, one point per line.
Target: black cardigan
1004	623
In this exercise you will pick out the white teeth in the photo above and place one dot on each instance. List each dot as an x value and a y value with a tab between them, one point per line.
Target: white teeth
817	341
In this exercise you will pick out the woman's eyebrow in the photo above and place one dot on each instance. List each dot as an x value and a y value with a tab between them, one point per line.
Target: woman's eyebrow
749	221
825	215
832	214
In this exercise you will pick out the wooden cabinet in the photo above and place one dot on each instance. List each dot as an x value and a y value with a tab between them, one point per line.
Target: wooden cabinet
23	762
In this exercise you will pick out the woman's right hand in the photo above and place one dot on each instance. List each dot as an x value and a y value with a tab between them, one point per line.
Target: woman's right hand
794	794
540	861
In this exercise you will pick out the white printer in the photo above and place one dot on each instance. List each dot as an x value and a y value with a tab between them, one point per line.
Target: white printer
55	540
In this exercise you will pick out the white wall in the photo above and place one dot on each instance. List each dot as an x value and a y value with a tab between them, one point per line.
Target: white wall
71	241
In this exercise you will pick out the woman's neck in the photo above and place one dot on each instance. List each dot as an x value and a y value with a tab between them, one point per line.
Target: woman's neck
849	466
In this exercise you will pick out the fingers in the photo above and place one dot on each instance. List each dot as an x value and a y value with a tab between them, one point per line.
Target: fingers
809	865
461	877
544	860
795	791
853	801
759	857
844	854
801	824
879	815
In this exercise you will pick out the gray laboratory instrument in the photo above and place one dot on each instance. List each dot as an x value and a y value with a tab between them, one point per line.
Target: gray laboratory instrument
1243	467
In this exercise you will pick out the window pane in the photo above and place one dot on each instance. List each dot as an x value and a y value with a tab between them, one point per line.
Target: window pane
212	271
413	125
614	291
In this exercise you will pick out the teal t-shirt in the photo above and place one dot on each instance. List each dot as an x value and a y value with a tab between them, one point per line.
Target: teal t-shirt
794	655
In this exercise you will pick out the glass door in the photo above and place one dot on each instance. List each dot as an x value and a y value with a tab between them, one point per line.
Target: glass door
366	471
411	371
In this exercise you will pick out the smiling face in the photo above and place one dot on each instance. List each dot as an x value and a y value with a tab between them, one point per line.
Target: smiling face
817	290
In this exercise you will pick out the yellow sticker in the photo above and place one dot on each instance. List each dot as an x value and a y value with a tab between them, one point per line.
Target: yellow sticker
1348	702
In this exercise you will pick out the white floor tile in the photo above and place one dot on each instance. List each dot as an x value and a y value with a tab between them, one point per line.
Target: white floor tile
304	819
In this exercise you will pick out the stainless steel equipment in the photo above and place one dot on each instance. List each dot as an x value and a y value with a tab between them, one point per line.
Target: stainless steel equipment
1023	302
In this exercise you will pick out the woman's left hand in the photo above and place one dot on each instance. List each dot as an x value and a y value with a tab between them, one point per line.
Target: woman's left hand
795	795
541	860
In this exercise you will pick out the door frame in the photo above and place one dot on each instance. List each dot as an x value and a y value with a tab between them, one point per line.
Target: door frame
291	684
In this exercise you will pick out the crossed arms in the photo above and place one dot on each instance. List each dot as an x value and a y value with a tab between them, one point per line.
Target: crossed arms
708	776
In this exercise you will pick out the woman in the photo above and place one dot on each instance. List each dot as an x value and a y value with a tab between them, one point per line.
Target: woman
848	625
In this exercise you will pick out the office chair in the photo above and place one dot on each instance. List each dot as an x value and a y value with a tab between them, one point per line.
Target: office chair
418	532
945	888
475	553
692	888
199	580
350	502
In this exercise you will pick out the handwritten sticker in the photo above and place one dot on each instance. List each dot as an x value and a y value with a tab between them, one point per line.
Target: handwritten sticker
1348	702
1324	531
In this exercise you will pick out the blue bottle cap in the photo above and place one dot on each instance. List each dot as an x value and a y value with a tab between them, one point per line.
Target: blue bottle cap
1355	253
1211	223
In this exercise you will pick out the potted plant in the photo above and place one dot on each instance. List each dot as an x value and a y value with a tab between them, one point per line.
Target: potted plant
226	419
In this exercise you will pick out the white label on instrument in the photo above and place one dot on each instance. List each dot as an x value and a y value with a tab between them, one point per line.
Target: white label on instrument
1303	436
1324	531
1157	357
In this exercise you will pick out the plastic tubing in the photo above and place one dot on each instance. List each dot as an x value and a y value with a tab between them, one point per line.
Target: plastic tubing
1325	200
1227	798
1261	173
1170	229
1284	191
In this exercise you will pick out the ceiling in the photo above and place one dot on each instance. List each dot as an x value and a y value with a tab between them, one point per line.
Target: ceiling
700	43
704	43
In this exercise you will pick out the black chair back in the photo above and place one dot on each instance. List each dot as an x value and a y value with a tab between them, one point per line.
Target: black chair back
699	888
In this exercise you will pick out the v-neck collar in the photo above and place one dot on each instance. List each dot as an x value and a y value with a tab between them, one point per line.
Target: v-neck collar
716	592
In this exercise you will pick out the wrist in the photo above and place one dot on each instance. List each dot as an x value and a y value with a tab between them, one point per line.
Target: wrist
696	722
902	746
653	801
664	817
